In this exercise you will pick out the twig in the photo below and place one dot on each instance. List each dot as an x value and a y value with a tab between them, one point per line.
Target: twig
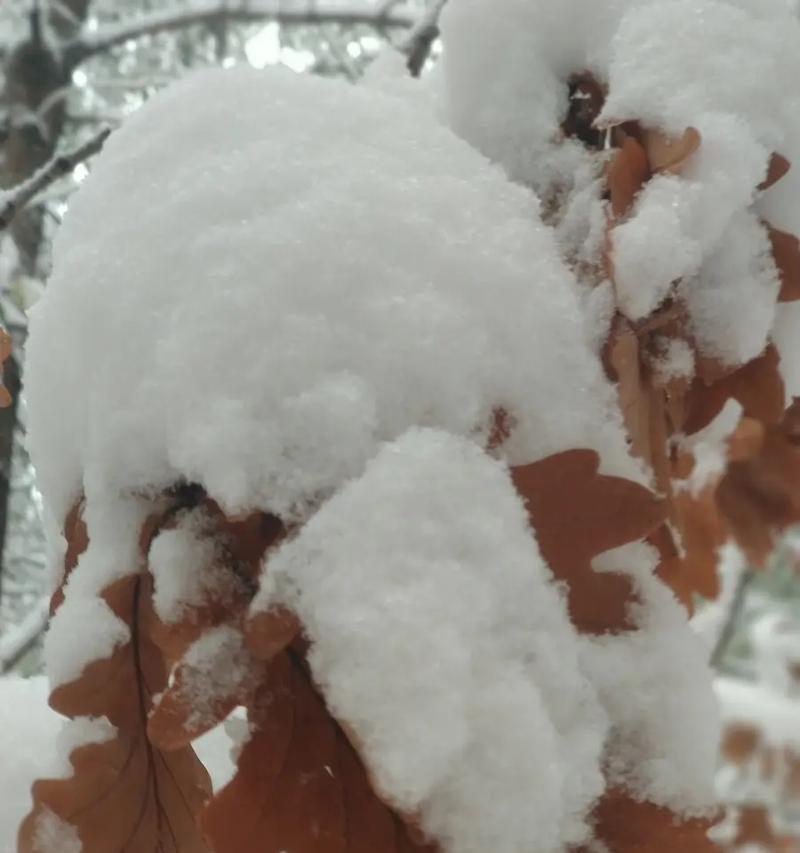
14	200
732	619
418	43
209	14
15	643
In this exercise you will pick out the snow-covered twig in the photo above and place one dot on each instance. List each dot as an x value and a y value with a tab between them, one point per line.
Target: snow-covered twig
208	14
417	45
14	200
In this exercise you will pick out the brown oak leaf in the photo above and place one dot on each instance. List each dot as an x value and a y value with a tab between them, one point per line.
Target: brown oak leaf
786	253
757	386
759	495
300	786
578	513
627	173
124	794
670	154
777	168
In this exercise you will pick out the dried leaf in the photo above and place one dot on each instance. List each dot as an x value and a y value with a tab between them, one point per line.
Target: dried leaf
577	513
668	154
124	793
643	405
300	785
740	742
778	167
628	171
786	253
269	632
627	826
757	386
760	496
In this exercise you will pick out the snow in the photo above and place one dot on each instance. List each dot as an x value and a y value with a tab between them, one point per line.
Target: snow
182	560
655	685
412	251
218	664
436	542
774	715
113	553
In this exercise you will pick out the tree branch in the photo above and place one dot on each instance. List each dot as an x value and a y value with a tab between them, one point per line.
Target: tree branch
214	13
418	43
732	618
15	200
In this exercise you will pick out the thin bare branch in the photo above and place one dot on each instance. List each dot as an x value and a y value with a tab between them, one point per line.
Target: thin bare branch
210	14
14	200
418	43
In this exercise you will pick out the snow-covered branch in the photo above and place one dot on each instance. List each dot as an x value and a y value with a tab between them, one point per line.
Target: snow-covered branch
15	199
418	43
210	13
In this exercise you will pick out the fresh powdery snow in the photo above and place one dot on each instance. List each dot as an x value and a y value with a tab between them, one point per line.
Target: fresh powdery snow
262	291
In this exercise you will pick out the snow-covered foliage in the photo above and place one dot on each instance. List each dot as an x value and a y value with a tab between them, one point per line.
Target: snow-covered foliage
669	65
370	340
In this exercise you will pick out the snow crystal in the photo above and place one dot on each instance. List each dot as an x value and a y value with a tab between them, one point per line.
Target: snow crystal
267	275
655	685
430	550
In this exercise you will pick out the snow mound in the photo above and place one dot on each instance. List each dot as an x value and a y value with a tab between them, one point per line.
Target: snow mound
474	692
270	274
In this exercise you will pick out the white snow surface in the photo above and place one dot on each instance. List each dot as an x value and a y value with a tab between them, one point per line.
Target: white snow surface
454	664
670	64
326	268
655	685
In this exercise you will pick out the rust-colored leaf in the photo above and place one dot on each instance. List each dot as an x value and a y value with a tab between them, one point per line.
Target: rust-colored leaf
760	496
269	632
786	252
628	171
300	786
778	167
643	404
124	793
670	154
757	386
740	742
578	513
625	825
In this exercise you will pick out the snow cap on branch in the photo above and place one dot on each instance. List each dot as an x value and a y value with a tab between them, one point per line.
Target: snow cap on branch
269	275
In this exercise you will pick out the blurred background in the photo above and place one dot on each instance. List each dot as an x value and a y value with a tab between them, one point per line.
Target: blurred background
71	68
